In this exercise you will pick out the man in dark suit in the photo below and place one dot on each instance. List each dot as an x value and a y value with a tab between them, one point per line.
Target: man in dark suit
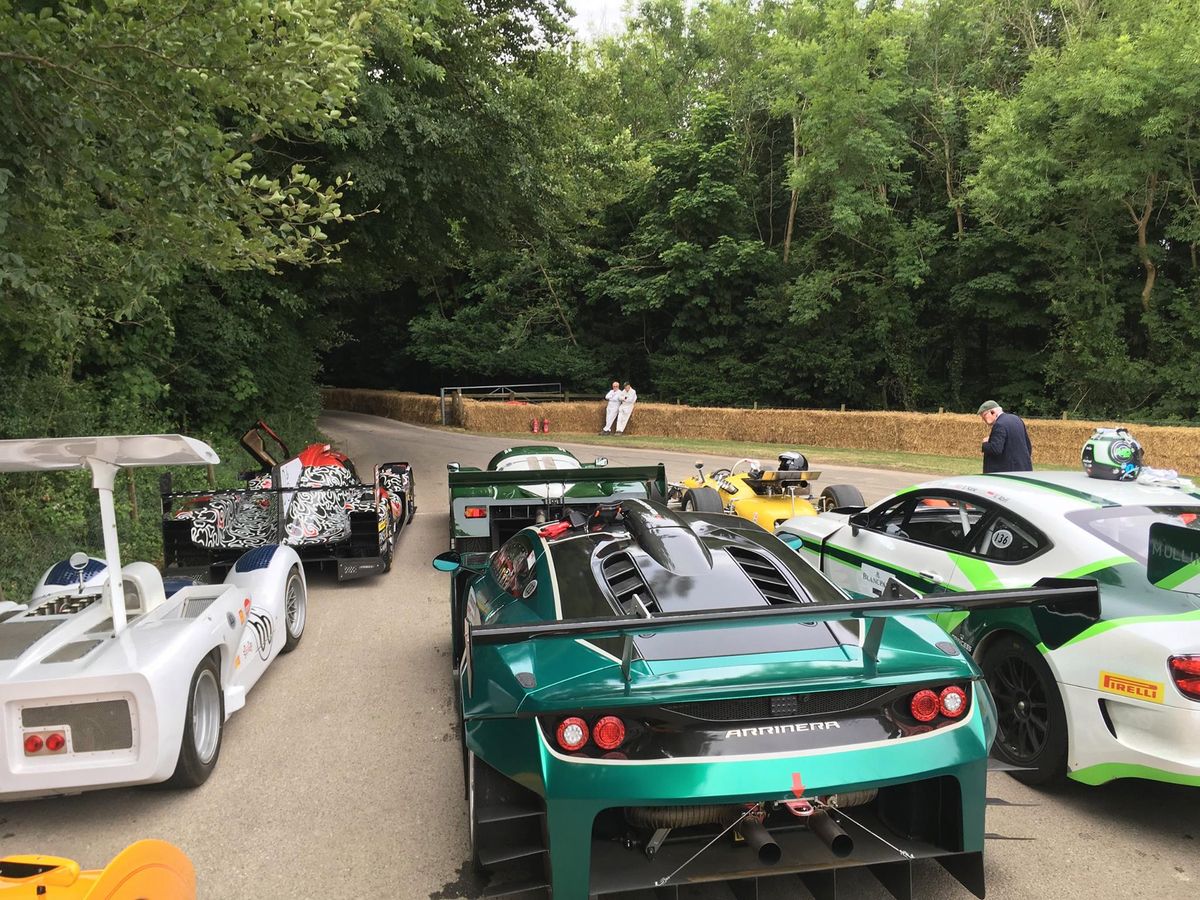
1008	448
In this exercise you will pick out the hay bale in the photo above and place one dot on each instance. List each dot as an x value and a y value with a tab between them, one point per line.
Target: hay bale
1056	443
403	407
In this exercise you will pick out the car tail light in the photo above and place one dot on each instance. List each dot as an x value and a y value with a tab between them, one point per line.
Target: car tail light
952	702
609	733
33	744
1185	671
55	742
572	734
476	512
925	706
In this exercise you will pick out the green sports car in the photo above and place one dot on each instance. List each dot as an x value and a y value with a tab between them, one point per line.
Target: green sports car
651	698
534	483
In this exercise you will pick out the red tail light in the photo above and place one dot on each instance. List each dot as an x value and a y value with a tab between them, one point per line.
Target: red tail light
952	702
33	743
476	512
572	734
609	733
925	706
55	742
1185	671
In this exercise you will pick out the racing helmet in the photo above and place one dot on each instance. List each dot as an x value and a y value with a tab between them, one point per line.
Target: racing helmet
792	461
1112	454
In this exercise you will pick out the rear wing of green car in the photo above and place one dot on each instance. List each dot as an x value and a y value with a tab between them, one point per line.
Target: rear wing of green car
656	473
1057	603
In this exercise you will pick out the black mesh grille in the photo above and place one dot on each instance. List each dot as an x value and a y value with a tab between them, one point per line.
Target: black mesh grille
473	544
766	576
788	706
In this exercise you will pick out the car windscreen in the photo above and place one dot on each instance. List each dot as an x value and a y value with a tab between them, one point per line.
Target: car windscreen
537	463
1128	527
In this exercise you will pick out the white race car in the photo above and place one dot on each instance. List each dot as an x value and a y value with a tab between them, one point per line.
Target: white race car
108	681
1117	698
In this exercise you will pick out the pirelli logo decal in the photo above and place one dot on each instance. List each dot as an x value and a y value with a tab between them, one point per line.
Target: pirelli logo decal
1150	691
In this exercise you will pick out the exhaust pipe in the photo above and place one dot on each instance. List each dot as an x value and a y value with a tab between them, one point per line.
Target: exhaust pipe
839	843
760	840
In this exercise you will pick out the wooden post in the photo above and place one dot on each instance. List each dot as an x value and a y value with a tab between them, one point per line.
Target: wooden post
843	407
212	476
1064	415
941	409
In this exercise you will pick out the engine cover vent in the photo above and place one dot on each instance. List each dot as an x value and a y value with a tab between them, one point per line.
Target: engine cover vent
766	576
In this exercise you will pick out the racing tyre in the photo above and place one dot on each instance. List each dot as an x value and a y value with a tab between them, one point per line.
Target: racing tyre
295	610
837	496
202	727
703	499
1032	730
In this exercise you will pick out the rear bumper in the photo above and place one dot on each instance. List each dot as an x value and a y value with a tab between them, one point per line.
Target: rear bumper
931	805
1112	737
150	757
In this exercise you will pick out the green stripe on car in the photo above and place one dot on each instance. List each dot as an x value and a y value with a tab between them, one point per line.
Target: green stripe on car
1054	488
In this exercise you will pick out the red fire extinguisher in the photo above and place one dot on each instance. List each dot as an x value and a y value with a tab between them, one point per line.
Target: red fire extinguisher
534	425
545	426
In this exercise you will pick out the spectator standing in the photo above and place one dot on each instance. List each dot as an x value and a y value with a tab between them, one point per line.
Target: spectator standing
628	398
614	406
1008	448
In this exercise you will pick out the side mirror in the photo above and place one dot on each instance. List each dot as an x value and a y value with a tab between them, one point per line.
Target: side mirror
601	461
452	467
450	561
699	464
1173	561
857	521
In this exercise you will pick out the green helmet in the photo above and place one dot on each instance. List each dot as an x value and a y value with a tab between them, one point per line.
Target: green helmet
1113	454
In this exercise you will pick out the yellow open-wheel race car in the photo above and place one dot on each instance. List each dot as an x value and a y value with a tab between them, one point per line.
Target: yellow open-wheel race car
145	870
765	497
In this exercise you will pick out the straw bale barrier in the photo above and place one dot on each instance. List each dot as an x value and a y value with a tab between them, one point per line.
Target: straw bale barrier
419	409
1055	442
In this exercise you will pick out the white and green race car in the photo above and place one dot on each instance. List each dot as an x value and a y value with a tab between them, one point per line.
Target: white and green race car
1116	698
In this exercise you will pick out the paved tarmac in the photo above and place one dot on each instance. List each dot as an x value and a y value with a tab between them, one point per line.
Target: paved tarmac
341	777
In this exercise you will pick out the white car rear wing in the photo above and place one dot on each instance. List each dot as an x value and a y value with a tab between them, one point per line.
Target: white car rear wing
104	455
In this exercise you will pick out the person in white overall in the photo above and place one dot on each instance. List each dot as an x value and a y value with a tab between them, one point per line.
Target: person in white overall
628	398
614	405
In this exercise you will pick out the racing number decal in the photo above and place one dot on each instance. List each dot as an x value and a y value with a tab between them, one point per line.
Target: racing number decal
1002	538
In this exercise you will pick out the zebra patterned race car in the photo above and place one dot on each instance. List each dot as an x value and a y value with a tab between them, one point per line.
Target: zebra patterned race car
652	698
1118	699
110	681
313	502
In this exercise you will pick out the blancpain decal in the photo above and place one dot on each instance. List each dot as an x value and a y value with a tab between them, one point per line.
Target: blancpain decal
790	728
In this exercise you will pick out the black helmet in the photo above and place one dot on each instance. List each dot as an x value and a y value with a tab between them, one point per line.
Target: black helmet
792	461
1112	454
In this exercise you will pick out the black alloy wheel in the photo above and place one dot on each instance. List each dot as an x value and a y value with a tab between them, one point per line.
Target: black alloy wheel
1032	724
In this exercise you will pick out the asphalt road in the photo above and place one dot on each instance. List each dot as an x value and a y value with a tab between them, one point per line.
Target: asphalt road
341	777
